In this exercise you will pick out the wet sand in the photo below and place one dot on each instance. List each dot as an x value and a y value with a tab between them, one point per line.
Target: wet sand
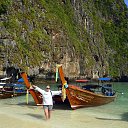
15	113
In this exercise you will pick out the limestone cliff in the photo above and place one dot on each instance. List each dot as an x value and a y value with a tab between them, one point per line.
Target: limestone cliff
89	37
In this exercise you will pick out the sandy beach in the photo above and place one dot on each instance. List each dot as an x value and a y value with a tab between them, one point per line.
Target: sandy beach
15	113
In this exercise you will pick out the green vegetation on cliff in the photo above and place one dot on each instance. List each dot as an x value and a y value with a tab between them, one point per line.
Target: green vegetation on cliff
115	28
40	29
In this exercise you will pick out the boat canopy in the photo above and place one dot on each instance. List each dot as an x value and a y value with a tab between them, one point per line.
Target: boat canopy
21	80
105	79
19	85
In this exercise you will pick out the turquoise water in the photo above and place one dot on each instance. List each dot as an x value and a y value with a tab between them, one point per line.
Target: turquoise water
117	110
114	114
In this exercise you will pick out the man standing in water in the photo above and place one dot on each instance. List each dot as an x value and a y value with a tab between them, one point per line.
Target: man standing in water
47	99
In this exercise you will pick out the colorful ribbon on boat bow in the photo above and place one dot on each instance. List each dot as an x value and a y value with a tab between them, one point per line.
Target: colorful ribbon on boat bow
57	73
65	85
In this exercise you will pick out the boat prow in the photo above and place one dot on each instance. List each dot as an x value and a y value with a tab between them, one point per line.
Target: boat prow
79	97
83	98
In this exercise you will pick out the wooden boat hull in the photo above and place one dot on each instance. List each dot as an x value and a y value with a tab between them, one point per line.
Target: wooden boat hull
35	95
82	98
10	95
5	95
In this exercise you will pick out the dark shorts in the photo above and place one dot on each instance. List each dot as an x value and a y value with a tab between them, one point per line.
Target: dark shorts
49	107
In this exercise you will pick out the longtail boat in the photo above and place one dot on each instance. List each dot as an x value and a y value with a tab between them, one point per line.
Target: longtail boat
79	97
36	95
8	90
6	95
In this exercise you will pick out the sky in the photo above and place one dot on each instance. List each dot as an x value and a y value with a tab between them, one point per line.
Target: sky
126	2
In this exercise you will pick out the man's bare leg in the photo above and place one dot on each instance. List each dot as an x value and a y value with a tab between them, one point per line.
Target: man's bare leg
46	112
49	114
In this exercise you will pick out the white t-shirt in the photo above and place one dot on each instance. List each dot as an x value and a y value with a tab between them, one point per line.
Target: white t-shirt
47	96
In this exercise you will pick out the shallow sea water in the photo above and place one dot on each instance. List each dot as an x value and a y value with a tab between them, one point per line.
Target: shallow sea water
112	115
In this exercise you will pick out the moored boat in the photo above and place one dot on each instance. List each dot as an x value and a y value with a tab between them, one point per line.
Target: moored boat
79	97
83	98
36	95
4	96
8	90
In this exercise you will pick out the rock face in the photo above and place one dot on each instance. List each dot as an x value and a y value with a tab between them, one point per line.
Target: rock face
37	35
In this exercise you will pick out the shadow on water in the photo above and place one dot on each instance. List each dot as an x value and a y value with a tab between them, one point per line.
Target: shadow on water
57	106
25	104
62	106
35	115
125	116
106	119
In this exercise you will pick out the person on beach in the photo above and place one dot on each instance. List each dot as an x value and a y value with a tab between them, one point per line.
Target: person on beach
47	99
